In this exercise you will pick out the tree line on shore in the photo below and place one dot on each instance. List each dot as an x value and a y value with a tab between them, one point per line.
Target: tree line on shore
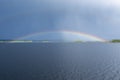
112	41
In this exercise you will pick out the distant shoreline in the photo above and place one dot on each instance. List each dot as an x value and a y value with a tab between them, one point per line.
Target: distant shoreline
47	41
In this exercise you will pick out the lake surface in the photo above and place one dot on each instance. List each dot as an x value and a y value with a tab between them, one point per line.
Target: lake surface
59	61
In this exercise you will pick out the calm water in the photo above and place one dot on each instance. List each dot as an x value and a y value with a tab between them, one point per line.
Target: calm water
60	61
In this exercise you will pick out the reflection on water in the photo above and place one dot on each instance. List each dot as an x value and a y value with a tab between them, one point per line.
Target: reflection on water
60	61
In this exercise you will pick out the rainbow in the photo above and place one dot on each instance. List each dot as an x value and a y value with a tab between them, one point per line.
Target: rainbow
80	34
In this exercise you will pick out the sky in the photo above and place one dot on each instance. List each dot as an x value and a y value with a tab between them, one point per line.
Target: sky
96	17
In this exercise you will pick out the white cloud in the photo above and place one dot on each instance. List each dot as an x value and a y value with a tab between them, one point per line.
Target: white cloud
109	3
93	16
102	2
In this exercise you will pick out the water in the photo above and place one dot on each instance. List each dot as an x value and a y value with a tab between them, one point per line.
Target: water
59	61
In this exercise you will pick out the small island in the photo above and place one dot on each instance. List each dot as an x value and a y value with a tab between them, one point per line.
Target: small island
78	41
115	41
